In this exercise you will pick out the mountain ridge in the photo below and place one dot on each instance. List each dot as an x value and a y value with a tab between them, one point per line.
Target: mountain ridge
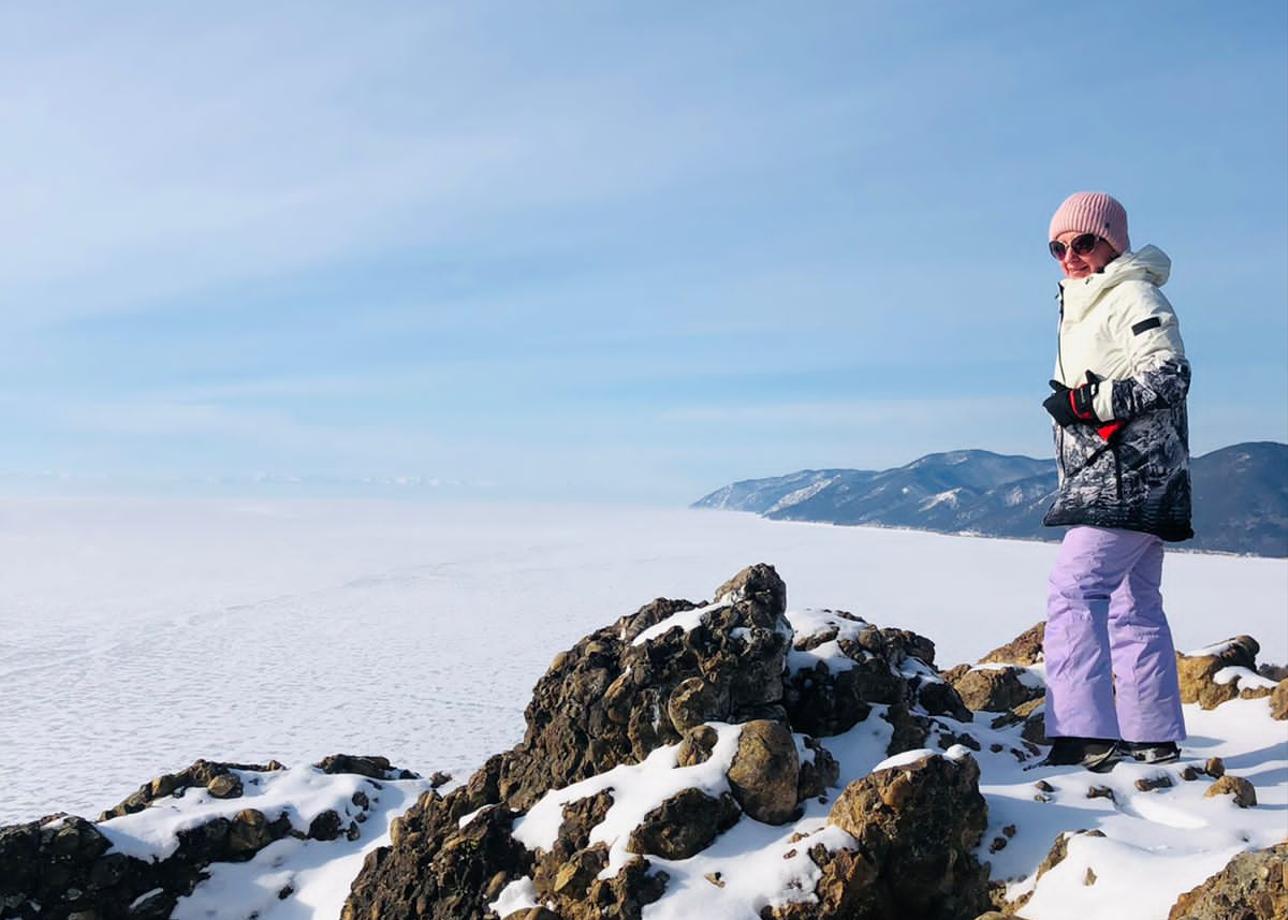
1240	496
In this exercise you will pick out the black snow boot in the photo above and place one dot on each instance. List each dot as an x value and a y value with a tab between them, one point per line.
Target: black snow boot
1095	754
1153	751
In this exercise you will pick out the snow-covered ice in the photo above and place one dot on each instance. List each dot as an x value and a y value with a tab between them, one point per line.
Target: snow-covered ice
139	635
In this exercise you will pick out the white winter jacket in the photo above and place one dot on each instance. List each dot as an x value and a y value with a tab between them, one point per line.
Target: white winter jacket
1119	333
1118	325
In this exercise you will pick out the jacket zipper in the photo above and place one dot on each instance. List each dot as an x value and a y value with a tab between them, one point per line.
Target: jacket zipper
1059	361
1059	354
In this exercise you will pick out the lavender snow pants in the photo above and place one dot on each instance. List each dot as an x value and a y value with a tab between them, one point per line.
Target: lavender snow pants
1110	663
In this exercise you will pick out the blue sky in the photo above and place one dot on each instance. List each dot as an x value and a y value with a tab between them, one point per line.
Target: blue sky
558	250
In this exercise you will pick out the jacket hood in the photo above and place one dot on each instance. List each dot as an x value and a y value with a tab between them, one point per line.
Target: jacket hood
1147	264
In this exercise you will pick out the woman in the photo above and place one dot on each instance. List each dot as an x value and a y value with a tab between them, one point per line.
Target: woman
1123	458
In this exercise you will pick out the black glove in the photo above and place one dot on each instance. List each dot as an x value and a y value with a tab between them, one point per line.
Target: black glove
1070	407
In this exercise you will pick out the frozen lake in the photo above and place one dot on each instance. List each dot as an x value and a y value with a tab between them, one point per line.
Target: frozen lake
137	636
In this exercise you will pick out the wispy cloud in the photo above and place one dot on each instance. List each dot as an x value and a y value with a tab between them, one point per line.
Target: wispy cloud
572	249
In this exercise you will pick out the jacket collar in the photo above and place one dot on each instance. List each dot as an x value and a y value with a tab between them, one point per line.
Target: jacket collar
1148	264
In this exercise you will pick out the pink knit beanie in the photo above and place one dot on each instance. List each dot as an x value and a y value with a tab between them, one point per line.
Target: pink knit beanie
1093	212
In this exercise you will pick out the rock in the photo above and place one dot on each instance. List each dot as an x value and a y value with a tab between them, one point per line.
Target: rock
575	876
1100	792
1190	773
225	786
694	701
372	767
947	738
1275	672
940	698
609	700
1197	672
910	730
567	877
697	745
954	672
1034	714
849	888
755	584
1279	701
995	689
765	771
1245	794
817	774
439	778
42	859
1215	767
399	881
1024	650
684	825
1044	786
1150	783
64	863
917	825
326	826
1252	886
579	817
250	832
820	702
202	773
823	703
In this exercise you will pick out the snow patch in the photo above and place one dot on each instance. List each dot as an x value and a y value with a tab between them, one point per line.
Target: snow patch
688	620
949	498
1246	677
1032	677
907	757
520	894
800	495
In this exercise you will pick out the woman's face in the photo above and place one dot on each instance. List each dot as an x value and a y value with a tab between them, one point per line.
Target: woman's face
1089	263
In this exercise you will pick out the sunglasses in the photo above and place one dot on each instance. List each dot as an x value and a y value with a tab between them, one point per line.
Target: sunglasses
1081	245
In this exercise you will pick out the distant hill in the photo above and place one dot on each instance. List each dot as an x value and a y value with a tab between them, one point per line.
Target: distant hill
1240	497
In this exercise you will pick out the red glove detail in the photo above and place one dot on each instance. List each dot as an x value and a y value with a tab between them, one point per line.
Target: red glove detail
1087	415
1107	431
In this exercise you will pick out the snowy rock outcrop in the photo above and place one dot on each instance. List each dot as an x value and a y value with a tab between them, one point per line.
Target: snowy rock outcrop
1225	671
651	741
632	687
1252	885
145	858
915	827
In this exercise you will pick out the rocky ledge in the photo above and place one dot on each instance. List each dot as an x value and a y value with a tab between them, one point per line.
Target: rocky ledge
141	857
